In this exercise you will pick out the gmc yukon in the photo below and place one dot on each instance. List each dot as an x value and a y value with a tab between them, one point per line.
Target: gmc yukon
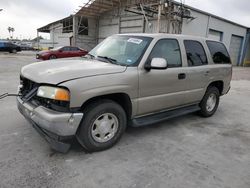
131	79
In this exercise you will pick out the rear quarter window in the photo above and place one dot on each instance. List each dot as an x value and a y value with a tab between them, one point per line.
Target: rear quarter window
218	52
8	44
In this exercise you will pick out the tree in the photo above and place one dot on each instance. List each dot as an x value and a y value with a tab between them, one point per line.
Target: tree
11	31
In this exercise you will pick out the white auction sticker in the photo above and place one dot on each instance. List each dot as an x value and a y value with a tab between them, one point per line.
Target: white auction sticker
134	40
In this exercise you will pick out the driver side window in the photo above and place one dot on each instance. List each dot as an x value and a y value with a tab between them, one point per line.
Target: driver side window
168	49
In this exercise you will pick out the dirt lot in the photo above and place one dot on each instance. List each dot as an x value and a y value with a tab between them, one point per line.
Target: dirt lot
187	152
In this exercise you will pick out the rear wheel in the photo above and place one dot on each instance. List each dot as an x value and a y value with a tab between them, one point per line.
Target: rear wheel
13	51
102	126
210	102
52	57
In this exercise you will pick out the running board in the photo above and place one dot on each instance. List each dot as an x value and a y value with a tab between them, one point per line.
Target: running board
162	116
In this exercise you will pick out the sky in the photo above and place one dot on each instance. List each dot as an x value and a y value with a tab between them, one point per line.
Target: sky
235	10
28	15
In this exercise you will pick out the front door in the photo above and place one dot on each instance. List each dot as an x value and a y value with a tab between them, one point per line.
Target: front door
163	89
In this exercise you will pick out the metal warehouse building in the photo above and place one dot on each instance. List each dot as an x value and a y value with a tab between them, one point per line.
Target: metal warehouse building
98	19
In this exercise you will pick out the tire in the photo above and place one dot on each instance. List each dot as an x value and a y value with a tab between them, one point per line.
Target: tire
13	51
210	102
52	57
102	125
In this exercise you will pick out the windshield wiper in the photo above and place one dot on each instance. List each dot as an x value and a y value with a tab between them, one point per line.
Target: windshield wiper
109	59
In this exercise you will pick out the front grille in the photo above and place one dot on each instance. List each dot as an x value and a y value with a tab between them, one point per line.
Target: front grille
27	86
61	106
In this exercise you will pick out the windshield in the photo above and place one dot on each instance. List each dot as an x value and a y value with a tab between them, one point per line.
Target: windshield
123	50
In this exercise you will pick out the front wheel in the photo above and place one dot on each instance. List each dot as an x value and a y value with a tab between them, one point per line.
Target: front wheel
52	57
102	126
13	51
210	102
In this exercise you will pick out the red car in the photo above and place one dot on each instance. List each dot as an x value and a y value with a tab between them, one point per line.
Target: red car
61	52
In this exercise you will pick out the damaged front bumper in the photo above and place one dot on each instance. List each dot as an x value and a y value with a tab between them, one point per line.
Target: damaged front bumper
56	127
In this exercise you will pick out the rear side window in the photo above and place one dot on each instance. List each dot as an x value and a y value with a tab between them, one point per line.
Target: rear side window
168	49
66	49
7	44
196	55
75	49
218	52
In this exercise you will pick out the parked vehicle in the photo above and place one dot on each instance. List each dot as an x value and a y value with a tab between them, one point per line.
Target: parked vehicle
61	52
132	79
9	47
26	47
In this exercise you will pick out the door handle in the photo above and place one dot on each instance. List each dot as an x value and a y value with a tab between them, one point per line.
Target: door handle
181	76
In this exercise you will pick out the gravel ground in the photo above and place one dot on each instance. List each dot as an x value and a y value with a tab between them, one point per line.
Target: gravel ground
185	152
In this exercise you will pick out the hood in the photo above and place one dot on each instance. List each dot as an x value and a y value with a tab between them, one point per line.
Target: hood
43	52
57	71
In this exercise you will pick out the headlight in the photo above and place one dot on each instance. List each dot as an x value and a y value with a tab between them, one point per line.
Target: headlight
55	93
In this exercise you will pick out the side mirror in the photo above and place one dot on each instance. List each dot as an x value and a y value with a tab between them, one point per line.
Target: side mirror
60	50
157	63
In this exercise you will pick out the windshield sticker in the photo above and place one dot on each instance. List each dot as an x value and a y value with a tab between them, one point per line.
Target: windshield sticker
135	41
129	60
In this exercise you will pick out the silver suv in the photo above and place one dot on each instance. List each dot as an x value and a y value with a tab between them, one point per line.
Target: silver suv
132	79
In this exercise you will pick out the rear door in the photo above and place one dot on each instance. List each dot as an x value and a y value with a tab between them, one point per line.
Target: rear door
1	46
75	52
7	46
65	52
198	70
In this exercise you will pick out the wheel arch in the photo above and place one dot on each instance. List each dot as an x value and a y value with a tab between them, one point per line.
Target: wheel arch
219	84
122	99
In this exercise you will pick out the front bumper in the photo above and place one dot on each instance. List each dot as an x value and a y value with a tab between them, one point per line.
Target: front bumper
54	126
41	57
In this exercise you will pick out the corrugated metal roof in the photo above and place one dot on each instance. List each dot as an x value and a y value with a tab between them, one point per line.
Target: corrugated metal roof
46	28
94	8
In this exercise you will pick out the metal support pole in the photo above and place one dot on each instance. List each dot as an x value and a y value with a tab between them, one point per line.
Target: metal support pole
169	17
53	36
145	17
245	48
37	39
75	28
97	30
208	23
159	19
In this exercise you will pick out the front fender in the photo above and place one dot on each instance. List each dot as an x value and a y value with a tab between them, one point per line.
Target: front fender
86	88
